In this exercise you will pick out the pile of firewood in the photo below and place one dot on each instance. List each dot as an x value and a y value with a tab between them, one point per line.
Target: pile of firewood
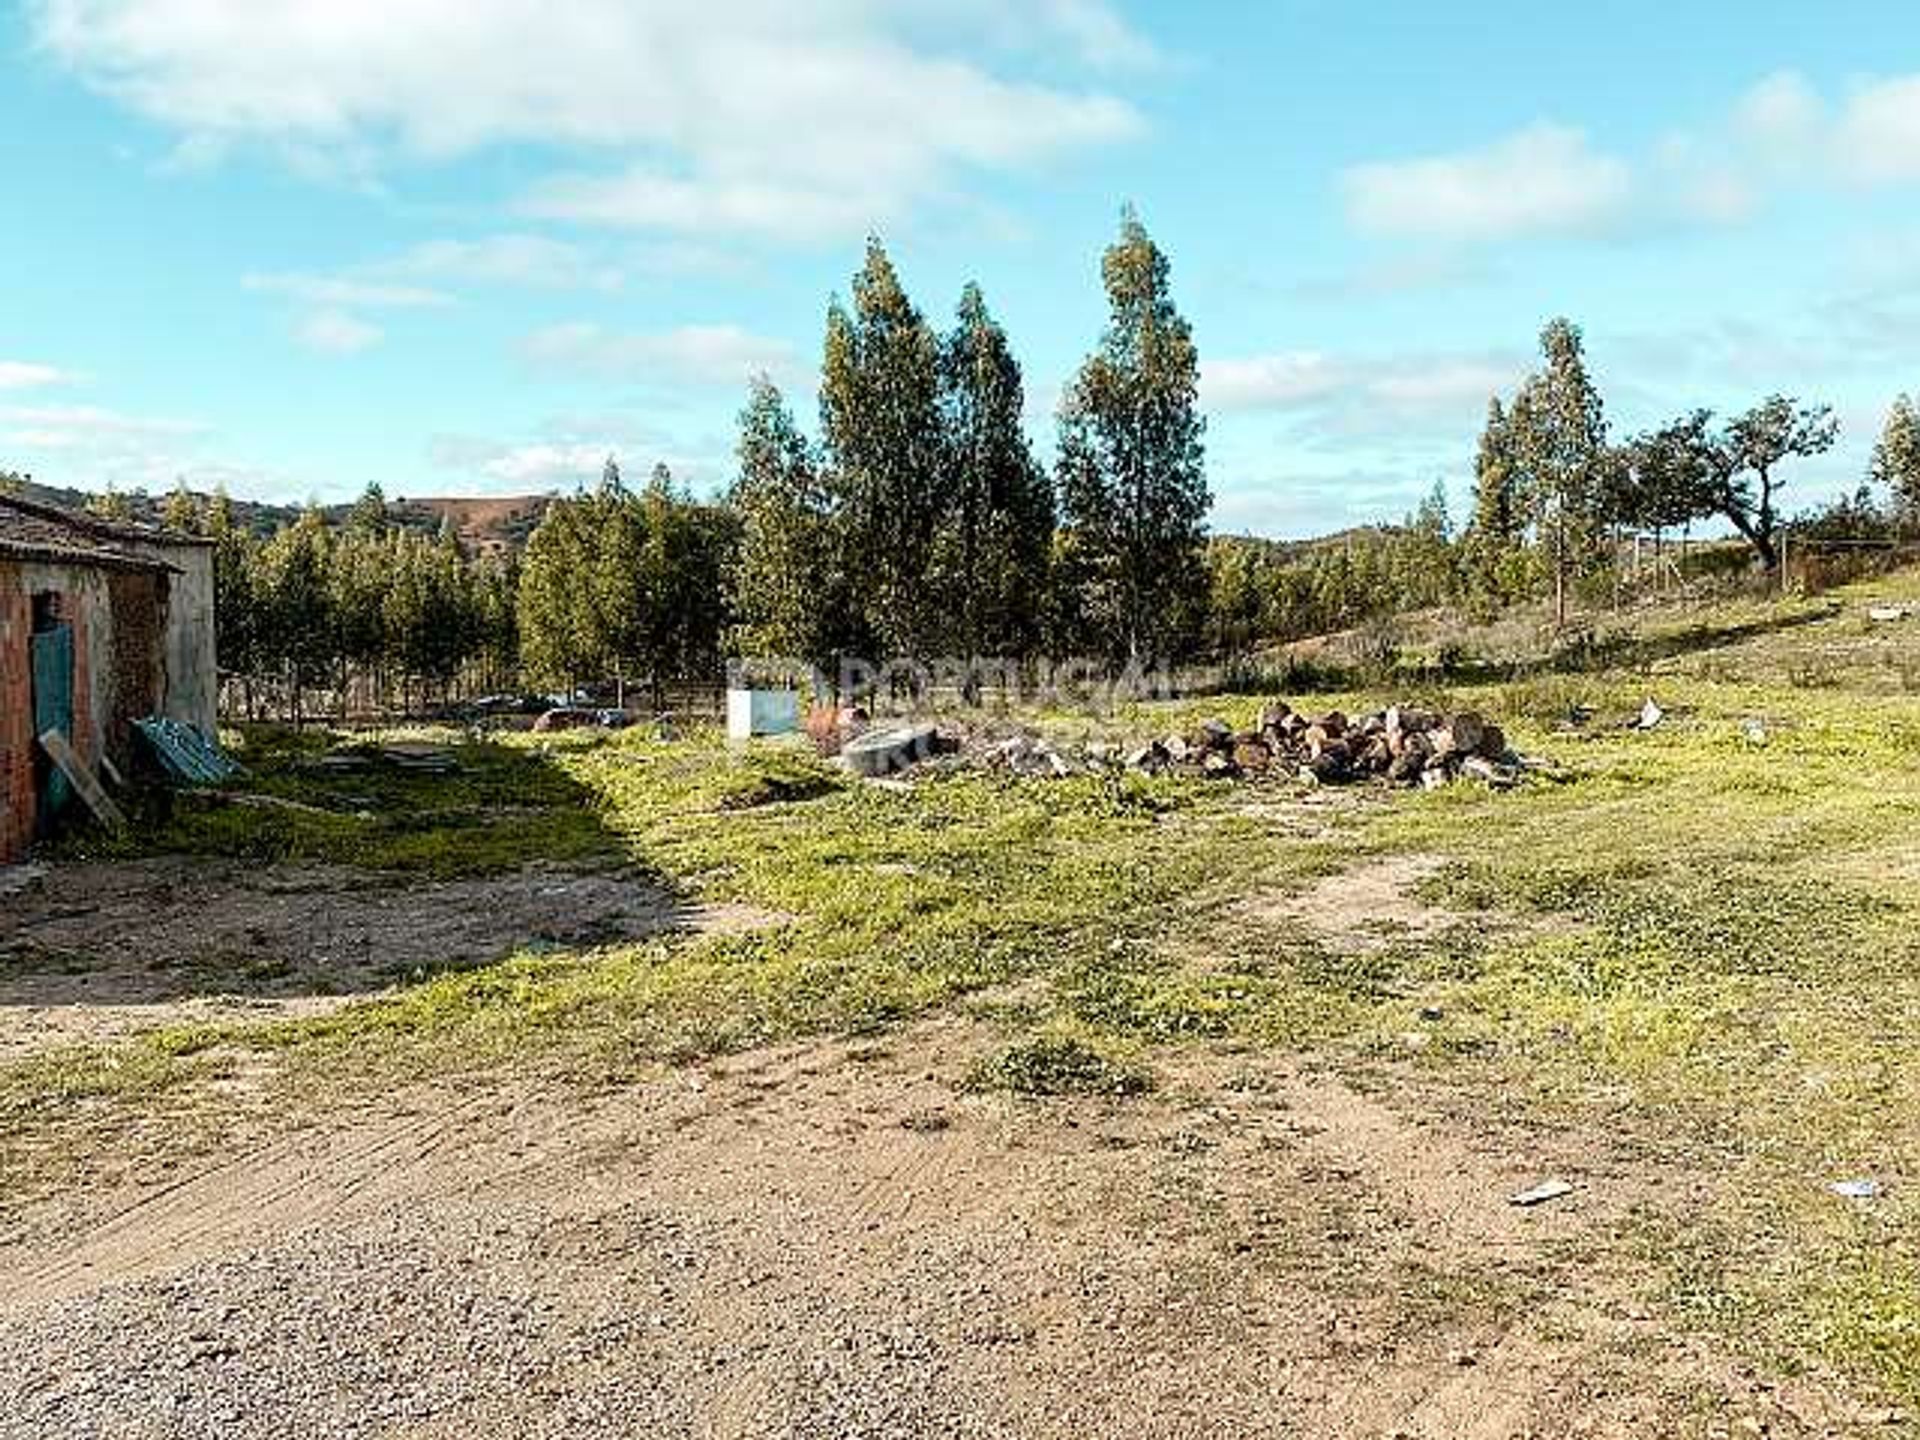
1401	744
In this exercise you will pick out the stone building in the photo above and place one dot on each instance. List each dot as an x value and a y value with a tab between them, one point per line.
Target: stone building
101	624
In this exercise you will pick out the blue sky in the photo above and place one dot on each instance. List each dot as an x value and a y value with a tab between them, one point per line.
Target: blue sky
473	246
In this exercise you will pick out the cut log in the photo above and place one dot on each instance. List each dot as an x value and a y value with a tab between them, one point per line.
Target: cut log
1469	730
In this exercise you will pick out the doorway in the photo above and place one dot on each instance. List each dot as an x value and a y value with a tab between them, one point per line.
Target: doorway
52	702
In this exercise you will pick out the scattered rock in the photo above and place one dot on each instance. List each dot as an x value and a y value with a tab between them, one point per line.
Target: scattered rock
881	752
1151	757
1469	731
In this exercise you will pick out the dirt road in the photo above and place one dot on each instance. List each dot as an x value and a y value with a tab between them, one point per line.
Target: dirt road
833	1241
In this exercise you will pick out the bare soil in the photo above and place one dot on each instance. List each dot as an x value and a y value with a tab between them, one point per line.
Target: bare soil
92	952
834	1239
831	1240
1365	908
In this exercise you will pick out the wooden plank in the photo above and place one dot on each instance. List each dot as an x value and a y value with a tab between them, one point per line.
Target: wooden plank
82	779
111	774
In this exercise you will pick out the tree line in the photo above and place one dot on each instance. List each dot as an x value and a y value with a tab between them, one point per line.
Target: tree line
921	524
314	607
1549	478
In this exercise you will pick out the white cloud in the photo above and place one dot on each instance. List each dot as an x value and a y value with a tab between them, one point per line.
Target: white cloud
763	116
1780	134
1782	112
1264	382
542	465
1303	503
1543	180
531	260
1878	138
27	375
65	426
336	332
342	291
1100	36
1092	32
701	354
1388	390
329	307
91	447
643	199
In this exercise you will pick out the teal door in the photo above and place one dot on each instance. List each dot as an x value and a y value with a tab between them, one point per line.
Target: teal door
53	710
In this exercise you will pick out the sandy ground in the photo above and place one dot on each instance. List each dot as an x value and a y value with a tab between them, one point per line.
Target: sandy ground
831	1241
95	952
835	1240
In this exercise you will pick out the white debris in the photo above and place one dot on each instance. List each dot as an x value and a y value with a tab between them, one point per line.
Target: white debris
1539	1195
1856	1189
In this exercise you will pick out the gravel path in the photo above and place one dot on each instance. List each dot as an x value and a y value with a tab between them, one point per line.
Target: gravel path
829	1242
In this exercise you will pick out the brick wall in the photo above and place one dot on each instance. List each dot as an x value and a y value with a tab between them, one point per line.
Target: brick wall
16	718
19	746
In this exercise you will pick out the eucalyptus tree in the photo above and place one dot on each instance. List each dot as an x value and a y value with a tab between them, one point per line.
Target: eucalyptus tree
1558	432
886	470
788	579
1896	457
992	545
1131	470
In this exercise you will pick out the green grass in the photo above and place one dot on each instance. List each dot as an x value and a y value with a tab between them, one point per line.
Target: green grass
1061	1063
506	805
1706	945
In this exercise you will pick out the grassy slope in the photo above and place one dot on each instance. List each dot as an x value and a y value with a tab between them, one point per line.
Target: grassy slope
1706	942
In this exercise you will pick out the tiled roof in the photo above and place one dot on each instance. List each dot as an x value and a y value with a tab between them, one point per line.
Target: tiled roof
30	530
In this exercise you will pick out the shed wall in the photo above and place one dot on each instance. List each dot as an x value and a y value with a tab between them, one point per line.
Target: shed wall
191	690
84	605
16	718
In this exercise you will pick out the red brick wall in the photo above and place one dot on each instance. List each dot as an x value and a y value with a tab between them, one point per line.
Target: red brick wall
16	718
19	746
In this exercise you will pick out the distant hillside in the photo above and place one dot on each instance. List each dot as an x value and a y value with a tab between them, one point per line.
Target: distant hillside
485	525
1288	551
